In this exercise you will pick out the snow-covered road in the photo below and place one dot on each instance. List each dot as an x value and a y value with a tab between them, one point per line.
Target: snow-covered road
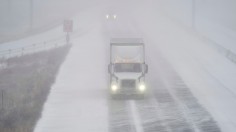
189	92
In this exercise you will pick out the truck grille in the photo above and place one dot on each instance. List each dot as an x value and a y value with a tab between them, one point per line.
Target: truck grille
128	83
128	86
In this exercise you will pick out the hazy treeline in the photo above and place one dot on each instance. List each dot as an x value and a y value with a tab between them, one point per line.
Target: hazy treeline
20	18
24	85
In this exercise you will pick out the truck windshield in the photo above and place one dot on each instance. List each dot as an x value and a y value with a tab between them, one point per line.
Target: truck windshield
128	67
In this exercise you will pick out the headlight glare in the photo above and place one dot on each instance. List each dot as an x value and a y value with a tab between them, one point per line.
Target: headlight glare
114	87
142	87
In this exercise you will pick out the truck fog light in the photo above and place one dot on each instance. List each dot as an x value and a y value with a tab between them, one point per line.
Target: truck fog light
142	88
114	87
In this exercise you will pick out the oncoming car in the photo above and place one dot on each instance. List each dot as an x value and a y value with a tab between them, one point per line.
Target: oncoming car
111	16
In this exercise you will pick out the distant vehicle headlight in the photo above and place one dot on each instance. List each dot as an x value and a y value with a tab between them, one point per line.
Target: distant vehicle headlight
142	87
114	87
110	16
114	16
107	16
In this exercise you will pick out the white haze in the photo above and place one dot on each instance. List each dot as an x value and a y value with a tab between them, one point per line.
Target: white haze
78	100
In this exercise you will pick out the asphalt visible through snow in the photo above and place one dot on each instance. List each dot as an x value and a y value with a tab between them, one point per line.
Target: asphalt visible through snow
171	107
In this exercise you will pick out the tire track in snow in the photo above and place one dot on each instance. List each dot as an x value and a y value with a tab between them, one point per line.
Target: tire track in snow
150	116
195	113
135	116
172	115
119	116
173	109
200	117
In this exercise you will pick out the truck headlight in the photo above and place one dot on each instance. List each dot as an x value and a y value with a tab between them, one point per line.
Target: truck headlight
114	87
142	87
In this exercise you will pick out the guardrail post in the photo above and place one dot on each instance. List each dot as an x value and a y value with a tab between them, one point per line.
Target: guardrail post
44	45
227	53
2	96
34	48
9	52
2	57
22	51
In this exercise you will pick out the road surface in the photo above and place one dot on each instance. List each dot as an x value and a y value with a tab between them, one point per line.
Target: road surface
186	93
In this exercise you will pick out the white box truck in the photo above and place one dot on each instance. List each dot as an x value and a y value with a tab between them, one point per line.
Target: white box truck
127	67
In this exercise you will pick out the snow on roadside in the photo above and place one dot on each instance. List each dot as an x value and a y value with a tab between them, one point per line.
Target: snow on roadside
77	101
39	38
209	75
223	36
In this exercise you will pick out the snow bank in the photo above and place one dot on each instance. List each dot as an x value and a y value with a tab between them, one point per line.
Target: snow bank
77	101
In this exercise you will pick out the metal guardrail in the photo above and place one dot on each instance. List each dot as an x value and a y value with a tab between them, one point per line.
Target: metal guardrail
33	48
38	46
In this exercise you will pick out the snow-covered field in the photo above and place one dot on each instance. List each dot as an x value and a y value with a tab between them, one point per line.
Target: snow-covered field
192	85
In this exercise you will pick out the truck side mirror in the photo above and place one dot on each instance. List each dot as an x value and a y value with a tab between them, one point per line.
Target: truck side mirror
146	68
110	68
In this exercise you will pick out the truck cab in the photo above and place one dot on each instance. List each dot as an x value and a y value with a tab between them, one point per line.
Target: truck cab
127	67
